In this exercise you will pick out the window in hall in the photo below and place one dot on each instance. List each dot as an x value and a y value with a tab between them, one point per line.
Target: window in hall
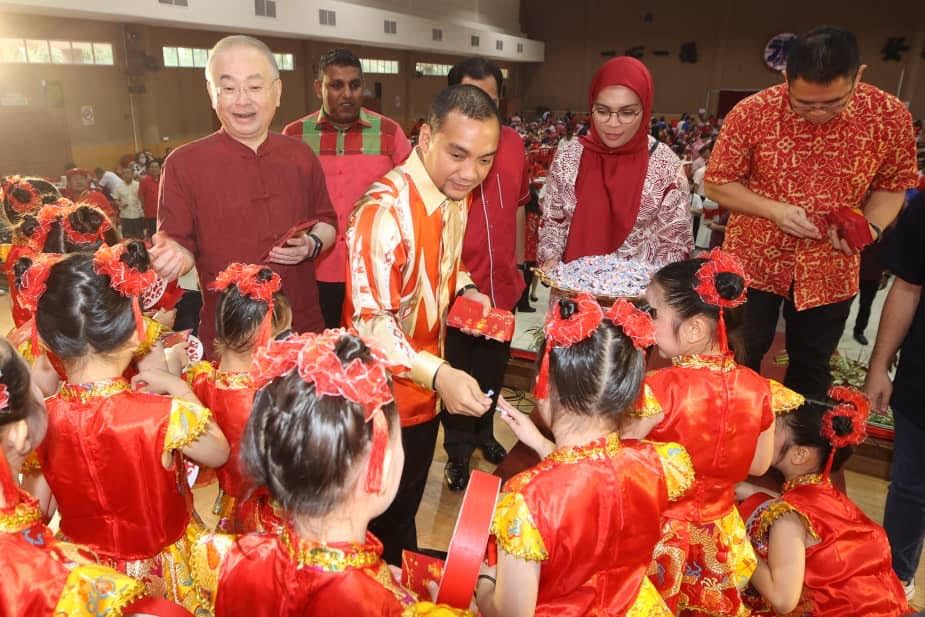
37	51
327	18
499	45
474	40
428	69
102	54
265	8
379	66
200	57
12	50
285	62
170	57
520	48
185	57
175	2
437	34
391	27
81	52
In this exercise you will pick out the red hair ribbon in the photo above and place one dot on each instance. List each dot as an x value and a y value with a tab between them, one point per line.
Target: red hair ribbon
32	287
565	332
9	487
853	405
244	278
635	323
126	280
21	195
718	261
46	216
83	237
365	383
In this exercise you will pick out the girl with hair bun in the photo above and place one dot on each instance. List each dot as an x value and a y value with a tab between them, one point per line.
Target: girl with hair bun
21	196
29	236
819	553
575	533
112	459
80	227
324	438
723	414
42	576
251	310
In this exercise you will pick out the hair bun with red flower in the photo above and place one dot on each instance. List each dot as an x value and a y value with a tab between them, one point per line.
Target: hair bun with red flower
21	195
569	321
256	282
707	287
364	382
84	223
126	265
854	407
636	324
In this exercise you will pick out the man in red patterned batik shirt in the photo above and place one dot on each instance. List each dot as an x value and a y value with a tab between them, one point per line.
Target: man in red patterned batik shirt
785	158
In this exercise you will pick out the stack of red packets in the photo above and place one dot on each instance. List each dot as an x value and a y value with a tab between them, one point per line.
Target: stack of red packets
466	313
852	227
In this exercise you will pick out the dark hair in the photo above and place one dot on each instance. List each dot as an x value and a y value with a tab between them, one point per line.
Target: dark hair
677	281
80	312
238	316
806	427
48	192
822	55
152	161
15	375
599	376
468	100
338	57
304	447
475	68
84	219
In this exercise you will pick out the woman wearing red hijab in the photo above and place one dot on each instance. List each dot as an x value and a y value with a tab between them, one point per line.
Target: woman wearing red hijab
616	189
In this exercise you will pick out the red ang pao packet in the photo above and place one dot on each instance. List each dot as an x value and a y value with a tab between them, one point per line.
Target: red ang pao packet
467	313
851	226
417	570
295	230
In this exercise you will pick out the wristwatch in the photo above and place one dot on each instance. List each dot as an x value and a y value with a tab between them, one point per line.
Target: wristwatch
466	288
318	246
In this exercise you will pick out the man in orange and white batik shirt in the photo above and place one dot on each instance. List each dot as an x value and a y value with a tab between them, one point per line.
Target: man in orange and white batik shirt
404	243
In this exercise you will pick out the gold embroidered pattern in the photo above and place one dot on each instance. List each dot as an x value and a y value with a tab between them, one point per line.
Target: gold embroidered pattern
153	331
783	399
805	480
206	560
646	406
310	554
93	590
96	389
188	421
648	602
429	609
777	509
193	371
719	363
515	530
233	380
599	449
678	468
31	464
24	515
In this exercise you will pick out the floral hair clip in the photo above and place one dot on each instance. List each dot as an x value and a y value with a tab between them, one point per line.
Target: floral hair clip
4	398
245	278
718	261
32	286
46	216
125	279
83	237
635	323
22	196
566	331
365	383
852	405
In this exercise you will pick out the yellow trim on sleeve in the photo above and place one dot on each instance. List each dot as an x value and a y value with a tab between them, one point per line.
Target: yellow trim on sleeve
188	421
783	399
678	468
646	405
424	368
515	530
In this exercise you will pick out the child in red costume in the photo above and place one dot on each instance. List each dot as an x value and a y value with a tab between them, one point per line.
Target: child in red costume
820	556
112	459
251	311
575	533
324	437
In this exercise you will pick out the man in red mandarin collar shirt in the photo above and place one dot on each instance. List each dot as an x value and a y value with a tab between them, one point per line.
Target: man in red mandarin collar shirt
232	195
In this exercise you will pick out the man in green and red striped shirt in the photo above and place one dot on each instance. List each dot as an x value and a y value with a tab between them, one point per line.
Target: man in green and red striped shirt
356	147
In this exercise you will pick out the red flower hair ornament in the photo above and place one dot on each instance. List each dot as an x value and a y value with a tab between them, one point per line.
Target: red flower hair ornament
83	237
32	286
125	279
365	383
21	195
635	323
718	261
244	278
46	216
566	331
852	405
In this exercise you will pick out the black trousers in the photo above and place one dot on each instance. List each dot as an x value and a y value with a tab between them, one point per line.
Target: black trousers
188	309
396	527
865	302
486	361
811	338
331	298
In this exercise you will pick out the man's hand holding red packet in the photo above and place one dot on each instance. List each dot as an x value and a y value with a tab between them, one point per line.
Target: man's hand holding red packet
466	314
852	227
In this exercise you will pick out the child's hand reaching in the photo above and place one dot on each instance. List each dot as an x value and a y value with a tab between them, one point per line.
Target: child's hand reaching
162	381
524	428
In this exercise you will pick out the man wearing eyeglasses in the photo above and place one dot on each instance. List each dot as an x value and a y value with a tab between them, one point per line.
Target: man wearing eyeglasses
233	195
785	158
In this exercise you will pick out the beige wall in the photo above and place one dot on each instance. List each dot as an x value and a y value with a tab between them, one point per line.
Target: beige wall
730	37
174	107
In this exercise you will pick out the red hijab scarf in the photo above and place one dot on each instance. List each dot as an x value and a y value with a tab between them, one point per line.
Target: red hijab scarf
610	180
